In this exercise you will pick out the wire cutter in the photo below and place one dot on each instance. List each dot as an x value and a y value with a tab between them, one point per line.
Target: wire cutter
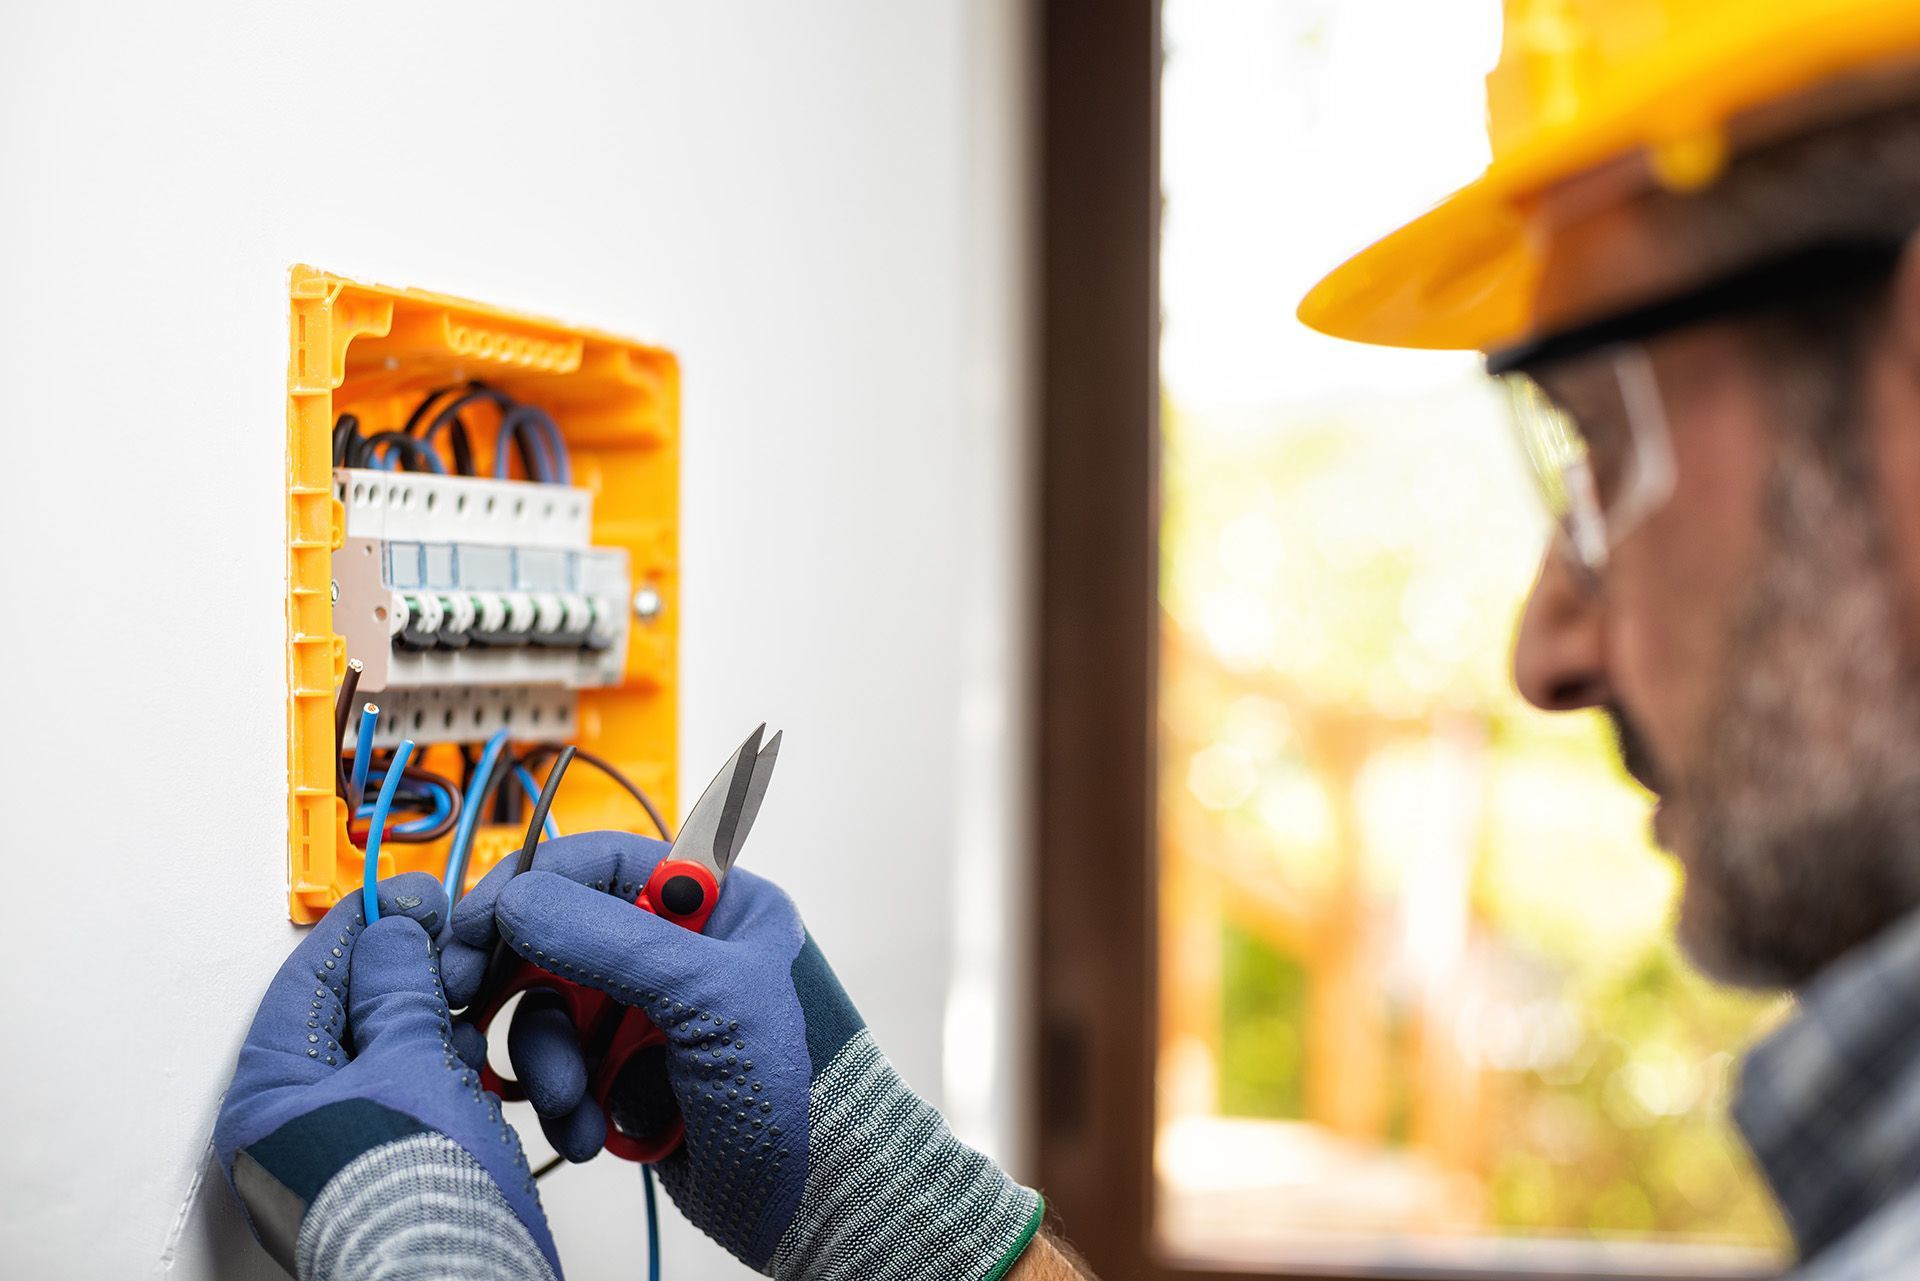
621	1044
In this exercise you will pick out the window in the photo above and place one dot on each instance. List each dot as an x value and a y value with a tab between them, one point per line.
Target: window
1409	996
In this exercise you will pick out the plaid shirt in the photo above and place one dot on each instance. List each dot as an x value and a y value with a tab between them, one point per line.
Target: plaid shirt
1830	1105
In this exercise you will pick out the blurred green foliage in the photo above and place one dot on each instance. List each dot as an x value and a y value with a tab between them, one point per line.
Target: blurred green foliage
1263	1002
1626	1133
1364	565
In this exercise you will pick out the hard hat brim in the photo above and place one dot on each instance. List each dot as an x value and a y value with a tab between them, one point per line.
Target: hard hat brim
1462	275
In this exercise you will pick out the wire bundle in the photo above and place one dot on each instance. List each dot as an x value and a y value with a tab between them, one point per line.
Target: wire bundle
434	798
444	806
483	789
525	431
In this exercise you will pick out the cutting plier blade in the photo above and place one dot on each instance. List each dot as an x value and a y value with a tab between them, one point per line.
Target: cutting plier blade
724	814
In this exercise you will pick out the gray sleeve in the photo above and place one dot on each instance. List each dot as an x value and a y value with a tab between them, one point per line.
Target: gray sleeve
416	1209
891	1194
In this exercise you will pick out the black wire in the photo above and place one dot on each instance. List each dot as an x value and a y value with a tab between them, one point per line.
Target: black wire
462	440
415	440
475	392
535	754
462	448
500	964
414	455
449	416
346	431
523	424
416	779
415	792
520	419
517	416
357	454
541	806
419	413
341	706
549	1166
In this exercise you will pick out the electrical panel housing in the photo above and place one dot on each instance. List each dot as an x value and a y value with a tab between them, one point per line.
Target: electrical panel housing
525	582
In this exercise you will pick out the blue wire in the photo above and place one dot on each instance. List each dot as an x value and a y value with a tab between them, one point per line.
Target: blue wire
462	848
532	789
543	444
389	460
551	464
500	443
363	753
563	465
370	876
653	1225
456	878
509	425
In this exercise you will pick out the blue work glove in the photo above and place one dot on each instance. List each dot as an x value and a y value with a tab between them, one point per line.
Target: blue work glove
357	1140
806	1156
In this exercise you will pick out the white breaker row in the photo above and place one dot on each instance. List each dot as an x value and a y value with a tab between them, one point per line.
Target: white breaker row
529	714
476	605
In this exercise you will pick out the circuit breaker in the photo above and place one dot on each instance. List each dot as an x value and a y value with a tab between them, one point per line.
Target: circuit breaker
483	522
475	605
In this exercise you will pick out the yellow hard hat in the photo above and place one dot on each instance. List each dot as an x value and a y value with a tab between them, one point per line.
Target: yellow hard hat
1581	83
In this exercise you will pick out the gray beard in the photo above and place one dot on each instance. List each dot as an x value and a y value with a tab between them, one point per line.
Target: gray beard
1799	824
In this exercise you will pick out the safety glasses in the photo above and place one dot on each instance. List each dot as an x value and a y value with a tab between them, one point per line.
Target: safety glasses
1588	409
1597	443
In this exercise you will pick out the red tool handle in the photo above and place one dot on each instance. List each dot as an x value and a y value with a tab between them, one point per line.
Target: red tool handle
585	1007
684	893
646	1139
615	1037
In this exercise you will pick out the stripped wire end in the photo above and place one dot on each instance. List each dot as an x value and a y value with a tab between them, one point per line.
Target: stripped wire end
362	756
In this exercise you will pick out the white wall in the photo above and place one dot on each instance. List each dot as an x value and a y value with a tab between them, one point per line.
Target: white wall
818	206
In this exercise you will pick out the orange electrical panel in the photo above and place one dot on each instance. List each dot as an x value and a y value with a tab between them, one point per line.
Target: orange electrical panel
522	584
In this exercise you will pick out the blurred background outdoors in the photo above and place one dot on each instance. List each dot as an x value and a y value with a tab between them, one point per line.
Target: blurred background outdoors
1417	976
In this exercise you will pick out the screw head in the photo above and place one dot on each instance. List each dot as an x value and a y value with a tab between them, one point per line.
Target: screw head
647	603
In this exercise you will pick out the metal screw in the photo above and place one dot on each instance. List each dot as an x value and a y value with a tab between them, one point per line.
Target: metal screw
647	603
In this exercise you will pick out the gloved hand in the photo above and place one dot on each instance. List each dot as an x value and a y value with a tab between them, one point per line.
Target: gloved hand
806	1156
354	1136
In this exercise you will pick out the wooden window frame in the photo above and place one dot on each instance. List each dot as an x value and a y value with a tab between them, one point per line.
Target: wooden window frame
1098	94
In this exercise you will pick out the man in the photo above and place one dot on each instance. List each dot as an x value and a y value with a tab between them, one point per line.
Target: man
1693	259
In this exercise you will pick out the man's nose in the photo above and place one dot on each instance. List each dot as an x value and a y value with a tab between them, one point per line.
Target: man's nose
1558	653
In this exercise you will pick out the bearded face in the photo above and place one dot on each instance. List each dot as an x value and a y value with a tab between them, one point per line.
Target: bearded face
1796	815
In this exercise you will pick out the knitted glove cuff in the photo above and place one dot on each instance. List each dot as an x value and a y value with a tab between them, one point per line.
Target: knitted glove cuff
355	1190
891	1194
416	1209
